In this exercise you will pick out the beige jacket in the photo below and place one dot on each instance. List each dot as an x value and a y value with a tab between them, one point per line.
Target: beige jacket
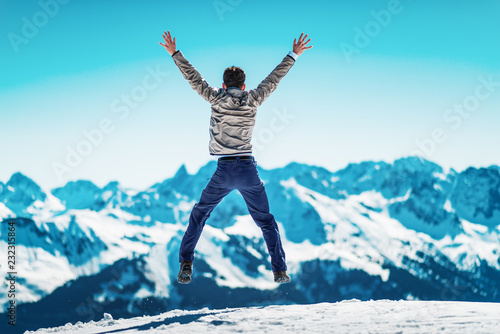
233	110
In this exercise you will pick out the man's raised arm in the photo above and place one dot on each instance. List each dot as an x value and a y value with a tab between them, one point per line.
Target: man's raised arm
188	71
270	83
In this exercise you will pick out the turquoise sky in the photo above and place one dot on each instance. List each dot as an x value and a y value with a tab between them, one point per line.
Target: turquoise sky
86	92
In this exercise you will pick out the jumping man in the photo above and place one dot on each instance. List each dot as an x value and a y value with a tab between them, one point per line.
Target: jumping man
231	125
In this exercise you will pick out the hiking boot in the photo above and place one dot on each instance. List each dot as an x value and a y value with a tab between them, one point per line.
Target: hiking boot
281	277
185	272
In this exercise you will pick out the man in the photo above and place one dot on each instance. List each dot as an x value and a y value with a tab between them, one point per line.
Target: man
231	125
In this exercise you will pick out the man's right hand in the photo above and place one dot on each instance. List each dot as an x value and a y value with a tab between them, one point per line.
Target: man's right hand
169	43
300	46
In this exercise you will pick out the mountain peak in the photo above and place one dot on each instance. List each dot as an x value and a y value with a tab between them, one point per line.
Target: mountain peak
416	163
20	192
181	172
19	179
78	194
113	185
79	184
20	182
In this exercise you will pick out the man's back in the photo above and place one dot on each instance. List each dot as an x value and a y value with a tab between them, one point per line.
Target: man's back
233	109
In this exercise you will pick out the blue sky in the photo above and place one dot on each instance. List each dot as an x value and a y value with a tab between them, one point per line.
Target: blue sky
86	92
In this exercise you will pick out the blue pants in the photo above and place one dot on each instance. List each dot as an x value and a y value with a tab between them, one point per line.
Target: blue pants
242	175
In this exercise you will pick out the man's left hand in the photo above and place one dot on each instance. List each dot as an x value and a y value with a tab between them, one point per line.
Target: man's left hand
169	43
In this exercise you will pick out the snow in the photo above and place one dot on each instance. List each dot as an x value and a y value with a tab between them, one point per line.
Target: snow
475	244
227	273
447	206
5	212
244	226
366	252
158	271
45	271
351	316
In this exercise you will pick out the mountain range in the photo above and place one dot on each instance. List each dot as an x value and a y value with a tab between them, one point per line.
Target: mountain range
372	230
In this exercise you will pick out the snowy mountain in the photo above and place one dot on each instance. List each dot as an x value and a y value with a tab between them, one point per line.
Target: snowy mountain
351	316
401	230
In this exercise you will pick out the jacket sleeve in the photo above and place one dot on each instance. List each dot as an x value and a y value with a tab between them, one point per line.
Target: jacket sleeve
270	83
194	78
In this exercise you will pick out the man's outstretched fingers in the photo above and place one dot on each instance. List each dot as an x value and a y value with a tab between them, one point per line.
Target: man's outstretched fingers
168	44
301	44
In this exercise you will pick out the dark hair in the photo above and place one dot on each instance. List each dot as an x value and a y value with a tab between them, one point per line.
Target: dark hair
234	77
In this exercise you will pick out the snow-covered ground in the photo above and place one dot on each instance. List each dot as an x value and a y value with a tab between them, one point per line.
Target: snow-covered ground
352	316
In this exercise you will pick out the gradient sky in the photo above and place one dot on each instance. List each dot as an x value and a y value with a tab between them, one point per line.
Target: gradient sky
67	70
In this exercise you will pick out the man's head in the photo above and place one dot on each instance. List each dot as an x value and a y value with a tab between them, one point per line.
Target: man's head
234	77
